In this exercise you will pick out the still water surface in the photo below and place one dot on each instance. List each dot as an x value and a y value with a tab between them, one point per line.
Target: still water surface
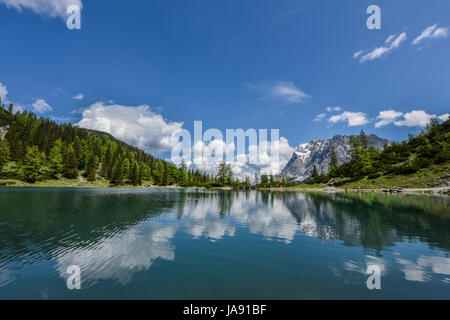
199	244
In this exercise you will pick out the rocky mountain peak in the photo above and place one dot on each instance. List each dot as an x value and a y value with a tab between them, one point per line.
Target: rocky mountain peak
318	153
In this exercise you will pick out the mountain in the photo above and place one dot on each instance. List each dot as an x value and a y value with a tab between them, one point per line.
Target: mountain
318	153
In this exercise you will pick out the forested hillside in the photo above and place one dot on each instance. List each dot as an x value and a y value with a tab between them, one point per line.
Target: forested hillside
36	149
429	149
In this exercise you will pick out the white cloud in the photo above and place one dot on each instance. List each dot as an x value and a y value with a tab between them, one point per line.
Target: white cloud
17	107
50	8
331	109
3	92
357	54
289	92
432	32
40	106
444	117
387	117
393	42
412	271
257	158
79	96
415	118
281	90
352	118
425	268
440	265
120	255
136	125
390	38
320	117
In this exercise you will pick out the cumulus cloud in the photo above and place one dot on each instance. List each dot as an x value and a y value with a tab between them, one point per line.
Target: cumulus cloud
135	125
387	117
259	158
41	106
444	117
415	118
50	8
432	32
352	118
283	91
392	42
266	164
79	96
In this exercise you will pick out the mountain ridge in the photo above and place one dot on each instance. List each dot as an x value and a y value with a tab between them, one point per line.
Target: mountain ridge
318	153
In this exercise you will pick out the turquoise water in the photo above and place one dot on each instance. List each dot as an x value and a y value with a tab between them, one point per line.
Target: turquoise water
200	244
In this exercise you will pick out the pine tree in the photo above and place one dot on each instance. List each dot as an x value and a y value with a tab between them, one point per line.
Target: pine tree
256	180
77	151
165	180
31	165
140	175
183	166
91	168
134	174
4	153
264	180
126	167
315	173
364	140
144	172
158	172
107	163
117	173
55	161
225	174
334	160
84	154
70	170
183	177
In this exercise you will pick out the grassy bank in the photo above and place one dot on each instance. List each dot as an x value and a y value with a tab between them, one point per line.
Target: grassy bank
430	177
350	187
61	183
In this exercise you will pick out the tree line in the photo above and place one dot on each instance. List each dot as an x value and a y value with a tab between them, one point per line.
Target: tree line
35	149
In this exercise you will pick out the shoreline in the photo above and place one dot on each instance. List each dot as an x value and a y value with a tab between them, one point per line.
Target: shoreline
439	191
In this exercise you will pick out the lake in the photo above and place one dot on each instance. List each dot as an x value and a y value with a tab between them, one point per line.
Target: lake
214	244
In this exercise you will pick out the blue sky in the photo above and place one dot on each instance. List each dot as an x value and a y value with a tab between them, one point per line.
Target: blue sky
232	64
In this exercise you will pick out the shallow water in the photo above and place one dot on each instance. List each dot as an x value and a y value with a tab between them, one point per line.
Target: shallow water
200	244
